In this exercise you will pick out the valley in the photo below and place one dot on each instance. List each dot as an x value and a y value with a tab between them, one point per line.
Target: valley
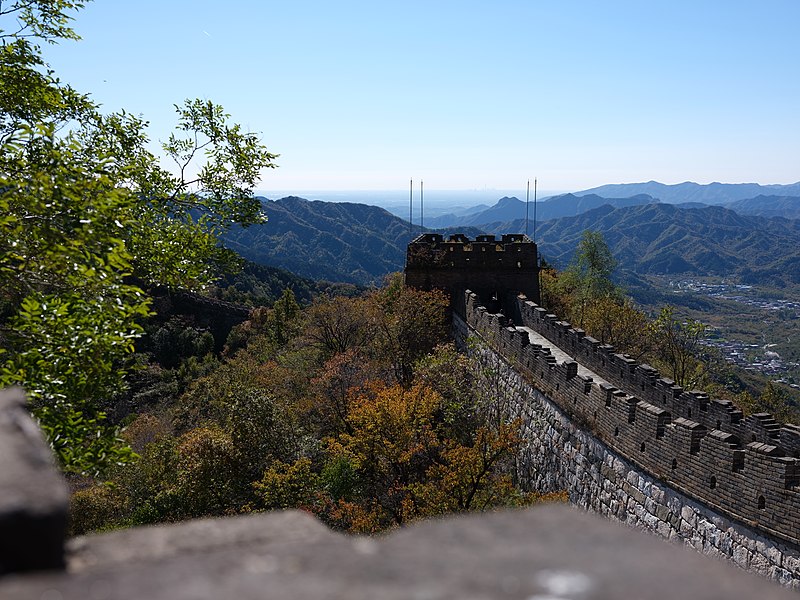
755	328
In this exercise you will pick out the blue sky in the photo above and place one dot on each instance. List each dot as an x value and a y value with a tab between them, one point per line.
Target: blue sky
465	95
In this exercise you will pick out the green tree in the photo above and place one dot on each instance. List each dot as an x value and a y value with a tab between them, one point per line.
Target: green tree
776	401
589	275
88	220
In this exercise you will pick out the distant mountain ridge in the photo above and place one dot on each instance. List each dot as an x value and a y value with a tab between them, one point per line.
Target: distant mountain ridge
688	195
713	193
787	207
511	208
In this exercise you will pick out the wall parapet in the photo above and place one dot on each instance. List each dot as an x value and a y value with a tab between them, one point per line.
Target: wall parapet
745	468
33	496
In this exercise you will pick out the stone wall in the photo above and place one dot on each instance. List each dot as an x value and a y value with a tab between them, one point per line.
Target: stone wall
630	460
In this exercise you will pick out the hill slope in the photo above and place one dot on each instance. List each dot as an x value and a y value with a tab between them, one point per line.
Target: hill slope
665	239
334	241
768	206
337	241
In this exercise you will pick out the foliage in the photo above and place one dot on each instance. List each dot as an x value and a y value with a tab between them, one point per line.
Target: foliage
456	377
773	399
342	374
274	326
258	285
290	421
408	467
552	289
588	277
339	324
679	346
615	320
287	485
410	323
95	508
466	477
66	351
88	217
175	341
586	296
206	472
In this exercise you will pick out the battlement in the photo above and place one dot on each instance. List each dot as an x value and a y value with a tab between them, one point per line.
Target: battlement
746	468
494	268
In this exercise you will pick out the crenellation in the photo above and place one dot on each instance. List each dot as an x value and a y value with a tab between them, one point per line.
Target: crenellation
689	433
789	437
654	417
624	371
572	368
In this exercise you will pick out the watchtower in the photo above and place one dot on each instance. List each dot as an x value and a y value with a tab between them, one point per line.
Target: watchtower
494	269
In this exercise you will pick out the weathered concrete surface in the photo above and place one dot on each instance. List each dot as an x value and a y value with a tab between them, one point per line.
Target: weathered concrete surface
543	553
33	496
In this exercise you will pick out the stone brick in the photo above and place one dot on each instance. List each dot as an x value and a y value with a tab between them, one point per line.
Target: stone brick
741	556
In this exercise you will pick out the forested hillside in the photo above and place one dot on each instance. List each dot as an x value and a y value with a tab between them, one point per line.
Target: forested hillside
355	409
334	241
665	239
337	241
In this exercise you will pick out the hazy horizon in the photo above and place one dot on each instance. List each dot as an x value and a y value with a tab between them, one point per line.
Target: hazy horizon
437	202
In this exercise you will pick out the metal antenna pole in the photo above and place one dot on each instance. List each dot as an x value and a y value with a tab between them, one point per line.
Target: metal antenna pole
411	205
534	210
527	198
421	209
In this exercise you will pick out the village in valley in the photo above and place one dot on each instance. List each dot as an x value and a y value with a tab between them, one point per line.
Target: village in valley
773	320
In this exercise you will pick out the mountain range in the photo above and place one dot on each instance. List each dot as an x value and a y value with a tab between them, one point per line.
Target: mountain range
337	241
712	193
510	208
333	241
733	196
360	244
662	238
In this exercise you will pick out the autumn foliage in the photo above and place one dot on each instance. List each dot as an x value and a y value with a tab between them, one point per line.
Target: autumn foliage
355	409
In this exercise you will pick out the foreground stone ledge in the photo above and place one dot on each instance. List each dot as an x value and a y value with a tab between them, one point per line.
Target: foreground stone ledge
551	551
33	495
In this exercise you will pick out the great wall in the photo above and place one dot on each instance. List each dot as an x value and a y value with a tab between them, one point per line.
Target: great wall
622	440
